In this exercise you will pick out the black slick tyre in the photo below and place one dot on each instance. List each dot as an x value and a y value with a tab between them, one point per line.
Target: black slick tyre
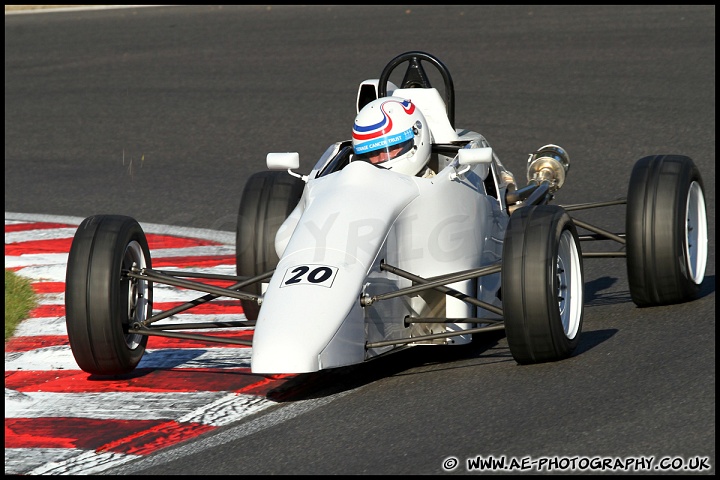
542	284
101	301
666	230
267	200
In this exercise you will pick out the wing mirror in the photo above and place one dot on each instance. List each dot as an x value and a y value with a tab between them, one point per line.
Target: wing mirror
474	156
285	161
467	157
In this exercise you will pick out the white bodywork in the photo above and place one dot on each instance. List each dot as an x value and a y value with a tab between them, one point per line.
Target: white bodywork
349	222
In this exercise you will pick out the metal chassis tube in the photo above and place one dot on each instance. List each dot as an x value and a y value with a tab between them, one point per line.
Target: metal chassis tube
171	278
436	283
600	234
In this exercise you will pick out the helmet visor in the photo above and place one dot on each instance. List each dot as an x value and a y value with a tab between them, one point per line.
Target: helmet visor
385	154
381	150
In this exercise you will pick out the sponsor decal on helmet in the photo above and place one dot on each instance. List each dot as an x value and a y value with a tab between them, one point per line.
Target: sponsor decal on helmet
384	142
367	132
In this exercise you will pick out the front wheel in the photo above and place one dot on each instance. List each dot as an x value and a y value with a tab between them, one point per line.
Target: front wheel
268	199
666	228
101	301
542	284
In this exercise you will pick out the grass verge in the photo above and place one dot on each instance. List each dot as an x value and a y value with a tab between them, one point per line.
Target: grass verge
19	300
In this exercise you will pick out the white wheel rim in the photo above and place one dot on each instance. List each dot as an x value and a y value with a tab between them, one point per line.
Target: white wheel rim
570	284
137	292
696	240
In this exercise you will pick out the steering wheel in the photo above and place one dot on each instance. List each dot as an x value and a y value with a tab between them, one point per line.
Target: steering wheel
415	77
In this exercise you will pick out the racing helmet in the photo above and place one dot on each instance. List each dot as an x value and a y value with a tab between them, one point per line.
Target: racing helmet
392	132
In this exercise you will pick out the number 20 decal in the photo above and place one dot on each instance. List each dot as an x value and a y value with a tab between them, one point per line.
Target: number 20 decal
320	275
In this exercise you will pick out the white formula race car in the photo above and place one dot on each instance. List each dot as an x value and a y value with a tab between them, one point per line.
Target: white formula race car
355	260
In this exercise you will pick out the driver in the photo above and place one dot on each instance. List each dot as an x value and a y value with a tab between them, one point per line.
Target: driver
391	132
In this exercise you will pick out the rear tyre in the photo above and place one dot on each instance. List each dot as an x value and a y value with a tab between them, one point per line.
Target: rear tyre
101	301
542	284
666	230
268	199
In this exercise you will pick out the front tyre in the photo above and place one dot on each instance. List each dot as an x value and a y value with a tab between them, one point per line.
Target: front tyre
101	301
268	199
542	284
666	230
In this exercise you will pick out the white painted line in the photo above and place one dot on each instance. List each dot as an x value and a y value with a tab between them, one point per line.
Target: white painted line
40	234
227	409
36	259
41	326
107	405
87	463
56	272
60	357
227	238
19	460
207	408
51	299
14	261
44	273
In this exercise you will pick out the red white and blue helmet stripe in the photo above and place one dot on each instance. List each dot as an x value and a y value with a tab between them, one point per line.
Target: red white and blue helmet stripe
373	137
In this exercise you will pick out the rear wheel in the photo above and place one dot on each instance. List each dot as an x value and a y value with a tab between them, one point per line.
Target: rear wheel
268	199
666	230
101	301
542	284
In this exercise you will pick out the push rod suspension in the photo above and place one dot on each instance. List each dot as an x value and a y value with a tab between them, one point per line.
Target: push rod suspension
410	320
153	276
434	336
197	301
595	229
596	237
604	254
216	276
188	336
437	283
193	326
585	206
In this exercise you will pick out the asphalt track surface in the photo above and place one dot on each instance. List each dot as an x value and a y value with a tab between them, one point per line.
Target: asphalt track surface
162	113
